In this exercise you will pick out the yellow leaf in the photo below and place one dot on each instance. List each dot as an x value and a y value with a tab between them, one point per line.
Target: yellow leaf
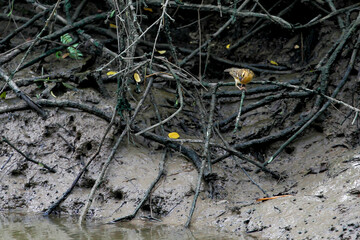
137	77
274	63
174	135
111	73
148	9
52	94
161	51
228	46
113	25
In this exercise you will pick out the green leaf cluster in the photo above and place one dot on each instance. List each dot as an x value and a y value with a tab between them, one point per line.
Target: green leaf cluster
74	52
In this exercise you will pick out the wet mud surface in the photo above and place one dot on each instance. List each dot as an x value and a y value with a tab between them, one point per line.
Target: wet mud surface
322	175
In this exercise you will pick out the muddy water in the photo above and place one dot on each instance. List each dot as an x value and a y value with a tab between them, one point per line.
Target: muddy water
21	226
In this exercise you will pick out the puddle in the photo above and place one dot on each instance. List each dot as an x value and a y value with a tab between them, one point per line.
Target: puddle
20	226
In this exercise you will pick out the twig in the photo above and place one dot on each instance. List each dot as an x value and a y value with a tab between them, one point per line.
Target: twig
44	55
232	151
239	112
332	14
170	40
256	67
5	17
325	70
78	10
79	31
250	66
243	169
253	31
310	91
27	157
128	47
254	90
327	104
161	24
214	35
265	140
53	35
263	102
69	190
160	174
65	103
112	154
7	161
67	142
147	194
333	8
267	13
199	41
22	95
205	154
189	153
280	21
37	37
19	29
226	10
181	100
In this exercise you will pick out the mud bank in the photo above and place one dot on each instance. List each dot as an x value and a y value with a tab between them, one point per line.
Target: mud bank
325	191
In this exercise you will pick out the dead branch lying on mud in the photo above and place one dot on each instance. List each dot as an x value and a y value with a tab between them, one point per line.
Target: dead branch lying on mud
242	156
82	171
263	102
147	193
161	173
21	94
125	131
206	156
192	155
333	95
53	36
50	169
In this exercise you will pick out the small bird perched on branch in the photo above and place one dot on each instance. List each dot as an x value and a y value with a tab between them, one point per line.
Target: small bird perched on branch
241	75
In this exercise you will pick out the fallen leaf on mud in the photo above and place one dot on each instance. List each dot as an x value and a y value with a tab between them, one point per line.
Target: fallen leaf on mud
148	9
270	198
113	25
111	73
137	77
274	63
174	135
228	46
161	51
